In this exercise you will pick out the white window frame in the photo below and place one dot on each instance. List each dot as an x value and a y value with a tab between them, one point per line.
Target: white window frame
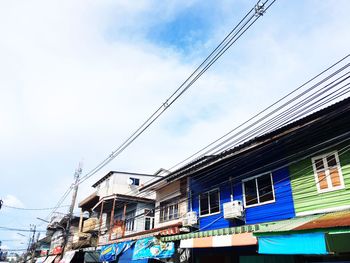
199	200
257	190
167	207
130	221
330	187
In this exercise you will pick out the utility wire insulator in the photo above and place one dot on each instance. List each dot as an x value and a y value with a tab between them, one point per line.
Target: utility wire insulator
166	104
259	9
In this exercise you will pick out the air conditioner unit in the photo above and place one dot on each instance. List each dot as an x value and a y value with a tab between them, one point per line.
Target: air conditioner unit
233	209
190	219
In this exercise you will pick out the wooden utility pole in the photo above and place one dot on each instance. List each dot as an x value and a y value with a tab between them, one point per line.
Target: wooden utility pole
71	208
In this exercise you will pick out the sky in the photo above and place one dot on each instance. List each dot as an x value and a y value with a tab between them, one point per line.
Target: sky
78	77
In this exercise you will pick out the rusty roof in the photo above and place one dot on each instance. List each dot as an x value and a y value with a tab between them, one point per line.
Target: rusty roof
331	220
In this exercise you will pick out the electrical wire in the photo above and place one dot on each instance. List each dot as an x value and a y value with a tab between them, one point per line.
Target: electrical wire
228	41
33	209
170	193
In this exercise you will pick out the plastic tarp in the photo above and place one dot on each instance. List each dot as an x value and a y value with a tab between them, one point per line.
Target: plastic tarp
108	253
68	256
294	244
152	247
112	251
127	255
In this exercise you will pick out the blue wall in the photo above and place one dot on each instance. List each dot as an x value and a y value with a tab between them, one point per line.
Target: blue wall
282	208
204	184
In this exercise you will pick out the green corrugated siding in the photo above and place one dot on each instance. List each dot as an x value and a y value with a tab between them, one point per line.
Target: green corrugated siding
305	195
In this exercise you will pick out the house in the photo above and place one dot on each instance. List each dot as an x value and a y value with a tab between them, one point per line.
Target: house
297	170
114	210
171	201
123	216
118	182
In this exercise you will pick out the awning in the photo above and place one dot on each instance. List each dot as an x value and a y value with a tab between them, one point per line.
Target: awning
68	256
40	259
285	225
294	244
50	259
214	232
151	247
245	239
306	223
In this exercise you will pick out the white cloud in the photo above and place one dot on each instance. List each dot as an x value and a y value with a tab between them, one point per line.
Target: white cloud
11	200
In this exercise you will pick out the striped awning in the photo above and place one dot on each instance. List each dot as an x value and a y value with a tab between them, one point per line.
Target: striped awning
215	232
244	239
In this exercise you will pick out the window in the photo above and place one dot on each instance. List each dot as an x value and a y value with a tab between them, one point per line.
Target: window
134	181
169	210
209	202
149	219
258	190
130	221
327	172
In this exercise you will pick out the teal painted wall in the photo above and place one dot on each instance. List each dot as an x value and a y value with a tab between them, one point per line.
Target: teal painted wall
305	195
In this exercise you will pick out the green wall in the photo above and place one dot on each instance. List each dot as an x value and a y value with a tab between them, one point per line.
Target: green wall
305	195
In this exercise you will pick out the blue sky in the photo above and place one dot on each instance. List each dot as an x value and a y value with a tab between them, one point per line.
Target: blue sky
77	77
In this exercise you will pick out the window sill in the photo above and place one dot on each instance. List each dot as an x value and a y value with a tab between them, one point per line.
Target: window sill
169	220
331	189
264	203
210	214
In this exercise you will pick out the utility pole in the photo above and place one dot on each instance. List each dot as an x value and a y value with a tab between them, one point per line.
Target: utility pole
71	208
33	245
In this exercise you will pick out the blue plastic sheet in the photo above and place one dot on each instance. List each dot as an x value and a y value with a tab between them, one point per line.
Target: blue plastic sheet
108	253
112	251
153	248
126	256
294	244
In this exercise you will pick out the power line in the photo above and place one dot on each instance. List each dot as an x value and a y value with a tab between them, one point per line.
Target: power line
18	229
263	111
228	41
33	209
224	45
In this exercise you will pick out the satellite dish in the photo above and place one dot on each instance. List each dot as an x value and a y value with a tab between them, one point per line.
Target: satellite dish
129	181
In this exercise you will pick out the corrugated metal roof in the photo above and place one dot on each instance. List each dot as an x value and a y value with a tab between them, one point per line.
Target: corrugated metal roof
329	220
336	219
285	225
206	161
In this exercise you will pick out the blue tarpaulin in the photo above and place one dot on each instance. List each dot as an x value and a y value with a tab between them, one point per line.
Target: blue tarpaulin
112	251
153	248
126	256
108	253
311	243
